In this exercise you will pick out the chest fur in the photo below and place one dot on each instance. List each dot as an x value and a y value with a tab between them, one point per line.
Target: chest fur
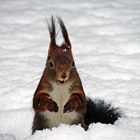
60	94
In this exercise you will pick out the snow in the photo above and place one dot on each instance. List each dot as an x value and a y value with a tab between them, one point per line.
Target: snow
7	137
105	36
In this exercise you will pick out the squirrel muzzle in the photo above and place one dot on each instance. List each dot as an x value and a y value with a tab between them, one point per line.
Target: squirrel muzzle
62	77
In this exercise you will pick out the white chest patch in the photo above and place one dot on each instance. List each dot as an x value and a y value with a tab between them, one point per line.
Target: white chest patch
60	95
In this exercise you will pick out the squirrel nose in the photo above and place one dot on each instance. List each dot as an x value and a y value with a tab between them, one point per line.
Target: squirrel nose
64	76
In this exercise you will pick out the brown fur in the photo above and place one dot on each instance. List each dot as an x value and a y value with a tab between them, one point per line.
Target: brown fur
59	71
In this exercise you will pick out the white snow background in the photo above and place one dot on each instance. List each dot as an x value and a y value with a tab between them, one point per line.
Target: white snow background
105	35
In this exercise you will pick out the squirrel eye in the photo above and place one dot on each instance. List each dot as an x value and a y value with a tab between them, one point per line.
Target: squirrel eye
73	64
51	64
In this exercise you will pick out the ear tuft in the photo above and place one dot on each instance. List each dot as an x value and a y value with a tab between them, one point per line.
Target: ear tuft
52	31
64	32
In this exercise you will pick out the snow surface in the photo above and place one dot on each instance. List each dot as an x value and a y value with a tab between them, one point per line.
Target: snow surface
105	35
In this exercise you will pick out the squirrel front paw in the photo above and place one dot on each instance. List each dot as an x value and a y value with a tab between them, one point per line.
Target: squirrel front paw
50	105
44	102
68	107
75	102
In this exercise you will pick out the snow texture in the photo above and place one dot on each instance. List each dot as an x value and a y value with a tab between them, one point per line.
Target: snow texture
105	35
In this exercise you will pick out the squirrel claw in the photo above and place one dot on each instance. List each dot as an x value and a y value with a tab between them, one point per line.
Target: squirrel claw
52	106
55	108
68	108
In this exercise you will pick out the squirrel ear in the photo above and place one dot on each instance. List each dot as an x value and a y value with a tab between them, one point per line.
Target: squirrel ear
64	32
52	32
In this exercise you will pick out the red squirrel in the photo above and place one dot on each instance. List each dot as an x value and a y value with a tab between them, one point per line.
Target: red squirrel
59	97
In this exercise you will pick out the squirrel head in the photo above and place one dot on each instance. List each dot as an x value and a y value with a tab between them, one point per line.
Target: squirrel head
60	62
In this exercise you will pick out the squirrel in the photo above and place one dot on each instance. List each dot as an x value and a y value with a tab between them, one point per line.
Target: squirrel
60	97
